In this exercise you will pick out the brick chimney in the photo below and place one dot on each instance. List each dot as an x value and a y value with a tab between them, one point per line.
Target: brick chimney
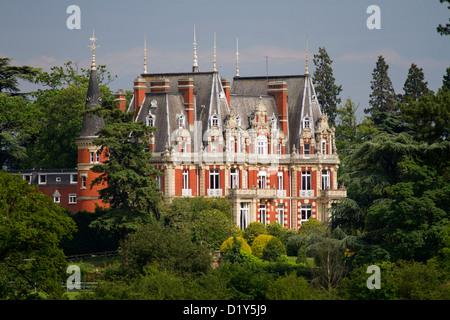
278	89
226	88
139	94
121	100
186	87
159	85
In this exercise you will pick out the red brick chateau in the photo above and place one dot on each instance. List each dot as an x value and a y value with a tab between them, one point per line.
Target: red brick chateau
262	142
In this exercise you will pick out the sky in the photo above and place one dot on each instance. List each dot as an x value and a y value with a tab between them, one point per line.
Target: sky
272	37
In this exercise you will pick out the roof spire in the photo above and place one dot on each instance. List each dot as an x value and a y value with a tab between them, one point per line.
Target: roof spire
195	63
307	72
214	56
93	47
145	53
237	57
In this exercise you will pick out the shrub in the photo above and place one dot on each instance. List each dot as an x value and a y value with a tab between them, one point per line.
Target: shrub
295	243
228	244
260	243
253	230
273	250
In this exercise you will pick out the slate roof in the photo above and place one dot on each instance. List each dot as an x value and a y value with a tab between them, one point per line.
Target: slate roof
299	91
92	123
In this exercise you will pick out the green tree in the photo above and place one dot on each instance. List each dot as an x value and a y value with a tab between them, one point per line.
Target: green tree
429	116
157	245
32	227
10	76
291	287
128	175
382	99
273	250
327	90
61	105
441	29
415	86
207	220
446	80
253	230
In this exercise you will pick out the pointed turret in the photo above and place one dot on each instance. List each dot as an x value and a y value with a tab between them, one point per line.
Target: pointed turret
88	153
92	123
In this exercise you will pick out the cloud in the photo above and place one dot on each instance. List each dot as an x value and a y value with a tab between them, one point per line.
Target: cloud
392	57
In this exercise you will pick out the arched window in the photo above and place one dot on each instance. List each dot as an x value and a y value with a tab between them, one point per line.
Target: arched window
150	120
214	120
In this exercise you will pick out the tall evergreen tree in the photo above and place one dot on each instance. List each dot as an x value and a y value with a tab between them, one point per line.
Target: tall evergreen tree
326	89
415	85
382	99
446	80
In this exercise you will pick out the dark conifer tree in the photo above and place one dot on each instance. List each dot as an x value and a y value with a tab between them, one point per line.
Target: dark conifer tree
382	99
326	89
415	85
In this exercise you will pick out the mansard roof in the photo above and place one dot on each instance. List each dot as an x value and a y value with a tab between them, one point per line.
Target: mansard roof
165	106
208	94
300	99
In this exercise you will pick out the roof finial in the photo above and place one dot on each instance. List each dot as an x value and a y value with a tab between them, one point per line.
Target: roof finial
237	57
145	53
306	72
214	64
195	64
93	47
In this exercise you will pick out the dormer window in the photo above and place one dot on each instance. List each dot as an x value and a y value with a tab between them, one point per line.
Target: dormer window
306	123
238	120
214	120
150	120
181	122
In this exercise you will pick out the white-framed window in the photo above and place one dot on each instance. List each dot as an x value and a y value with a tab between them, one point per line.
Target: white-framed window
72	198
58	179
261	144
244	215
263	213
306	123
280	180
159	181
181	121
42	179
183	147
306	212
262	179
150	120
280	212
73	178
325	179
185	179
83	182
56	197
95	157
234	178
232	144
279	148
306	180
306	148
214	120
27	178
214	179
324	147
